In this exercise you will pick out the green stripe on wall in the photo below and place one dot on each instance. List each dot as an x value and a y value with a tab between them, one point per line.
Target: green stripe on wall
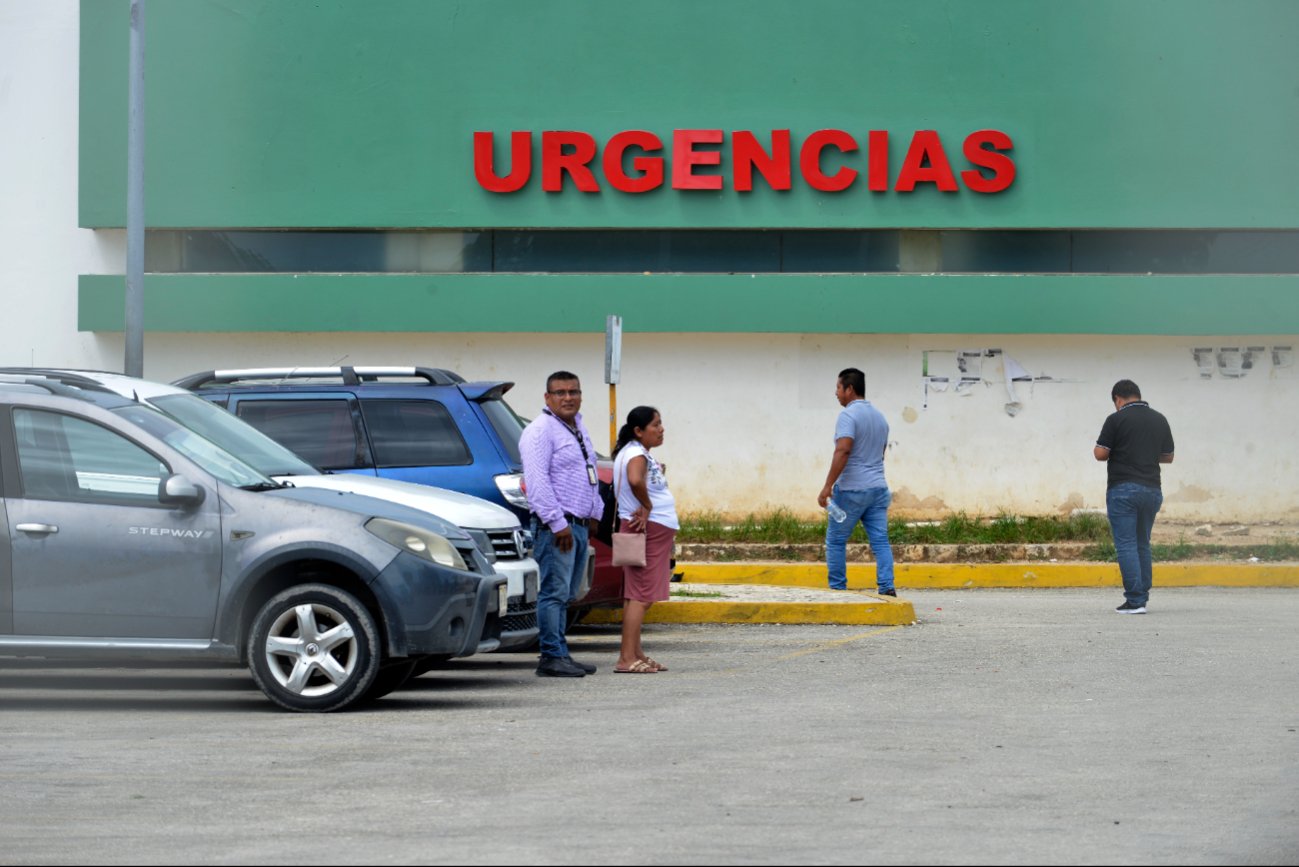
788	303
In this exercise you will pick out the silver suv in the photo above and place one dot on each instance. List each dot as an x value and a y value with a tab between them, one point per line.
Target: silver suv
494	528
126	535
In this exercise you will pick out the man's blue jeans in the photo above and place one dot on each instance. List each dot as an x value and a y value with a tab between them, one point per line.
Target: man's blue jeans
1132	509
561	577
871	507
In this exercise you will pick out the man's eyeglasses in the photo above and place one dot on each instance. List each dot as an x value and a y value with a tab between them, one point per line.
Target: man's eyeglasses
567	392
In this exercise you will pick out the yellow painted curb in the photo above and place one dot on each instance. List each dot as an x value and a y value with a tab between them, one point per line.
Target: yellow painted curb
874	612
951	576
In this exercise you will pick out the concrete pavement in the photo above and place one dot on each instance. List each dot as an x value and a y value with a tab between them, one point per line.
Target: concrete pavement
1008	727
796	592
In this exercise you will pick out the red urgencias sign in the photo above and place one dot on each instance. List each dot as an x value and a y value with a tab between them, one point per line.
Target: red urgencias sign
574	154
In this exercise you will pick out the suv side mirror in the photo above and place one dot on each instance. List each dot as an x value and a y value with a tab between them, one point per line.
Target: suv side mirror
176	490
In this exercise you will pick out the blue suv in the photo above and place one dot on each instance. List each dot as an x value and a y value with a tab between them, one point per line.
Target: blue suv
415	424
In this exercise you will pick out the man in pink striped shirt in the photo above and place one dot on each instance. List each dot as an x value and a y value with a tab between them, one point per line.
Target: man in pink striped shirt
559	476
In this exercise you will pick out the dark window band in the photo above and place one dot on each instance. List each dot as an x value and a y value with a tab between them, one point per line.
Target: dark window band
799	251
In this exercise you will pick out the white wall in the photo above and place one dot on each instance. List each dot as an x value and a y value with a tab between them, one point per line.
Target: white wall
749	417
41	249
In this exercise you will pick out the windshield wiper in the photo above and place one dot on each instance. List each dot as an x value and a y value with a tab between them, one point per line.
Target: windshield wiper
265	486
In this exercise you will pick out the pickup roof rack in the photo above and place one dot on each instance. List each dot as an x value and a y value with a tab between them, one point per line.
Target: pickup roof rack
344	375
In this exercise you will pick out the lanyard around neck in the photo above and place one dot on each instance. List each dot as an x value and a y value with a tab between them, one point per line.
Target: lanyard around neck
586	457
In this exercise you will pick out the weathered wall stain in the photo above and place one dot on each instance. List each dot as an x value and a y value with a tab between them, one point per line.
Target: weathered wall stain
1189	494
905	500
1073	501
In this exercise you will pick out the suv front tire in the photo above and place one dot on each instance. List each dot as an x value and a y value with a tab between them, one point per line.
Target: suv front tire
314	648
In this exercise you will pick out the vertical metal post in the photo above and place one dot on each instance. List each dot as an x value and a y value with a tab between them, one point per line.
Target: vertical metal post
613	371
135	198
613	417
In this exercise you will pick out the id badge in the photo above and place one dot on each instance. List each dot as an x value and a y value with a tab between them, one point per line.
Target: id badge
591	476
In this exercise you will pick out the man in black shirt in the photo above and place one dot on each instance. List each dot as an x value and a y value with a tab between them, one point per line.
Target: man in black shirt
1134	441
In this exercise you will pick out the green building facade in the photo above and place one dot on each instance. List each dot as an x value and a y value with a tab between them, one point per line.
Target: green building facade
1178	116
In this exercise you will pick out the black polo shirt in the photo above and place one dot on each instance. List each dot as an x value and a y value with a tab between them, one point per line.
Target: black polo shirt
1136	436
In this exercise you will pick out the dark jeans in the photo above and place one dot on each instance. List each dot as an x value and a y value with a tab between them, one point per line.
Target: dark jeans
1132	509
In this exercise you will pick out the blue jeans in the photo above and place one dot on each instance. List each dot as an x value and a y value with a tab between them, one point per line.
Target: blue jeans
1132	509
561	576
871	507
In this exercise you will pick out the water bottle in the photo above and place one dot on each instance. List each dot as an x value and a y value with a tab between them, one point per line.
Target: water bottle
836	514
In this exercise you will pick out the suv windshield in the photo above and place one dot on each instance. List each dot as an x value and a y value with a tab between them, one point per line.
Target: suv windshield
235	436
507	424
208	455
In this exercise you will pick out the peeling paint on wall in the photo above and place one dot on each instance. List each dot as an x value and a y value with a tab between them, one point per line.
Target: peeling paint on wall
1236	362
971	367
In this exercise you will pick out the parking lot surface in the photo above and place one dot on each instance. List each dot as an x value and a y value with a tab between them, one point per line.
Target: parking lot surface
1006	726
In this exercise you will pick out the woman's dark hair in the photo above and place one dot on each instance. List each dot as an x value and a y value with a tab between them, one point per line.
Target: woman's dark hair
640	417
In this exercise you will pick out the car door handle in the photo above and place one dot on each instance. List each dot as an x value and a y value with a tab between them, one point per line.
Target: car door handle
37	528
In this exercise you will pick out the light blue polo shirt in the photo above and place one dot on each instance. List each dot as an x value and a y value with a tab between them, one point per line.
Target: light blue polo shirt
870	433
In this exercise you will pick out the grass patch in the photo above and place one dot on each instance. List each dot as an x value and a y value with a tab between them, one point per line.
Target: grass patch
1279	551
697	594
782	526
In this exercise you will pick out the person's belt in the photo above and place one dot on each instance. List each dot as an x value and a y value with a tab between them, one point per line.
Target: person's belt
568	516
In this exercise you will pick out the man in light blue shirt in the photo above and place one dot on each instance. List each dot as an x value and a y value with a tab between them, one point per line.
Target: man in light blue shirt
856	482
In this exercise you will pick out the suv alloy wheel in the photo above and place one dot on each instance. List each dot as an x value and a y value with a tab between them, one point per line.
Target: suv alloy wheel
314	648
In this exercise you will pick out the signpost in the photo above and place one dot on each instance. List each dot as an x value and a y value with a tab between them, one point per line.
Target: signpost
134	301
613	371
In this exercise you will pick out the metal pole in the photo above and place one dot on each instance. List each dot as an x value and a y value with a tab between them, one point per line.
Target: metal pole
613	371
613	417
135	198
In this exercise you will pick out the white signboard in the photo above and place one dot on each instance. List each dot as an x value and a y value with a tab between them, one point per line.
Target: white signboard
613	349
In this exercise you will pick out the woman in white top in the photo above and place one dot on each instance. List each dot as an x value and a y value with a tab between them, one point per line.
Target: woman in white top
645	505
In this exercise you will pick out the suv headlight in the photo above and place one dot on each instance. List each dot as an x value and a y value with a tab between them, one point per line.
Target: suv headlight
511	488
422	543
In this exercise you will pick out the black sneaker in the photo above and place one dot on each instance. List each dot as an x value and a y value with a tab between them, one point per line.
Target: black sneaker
888	593
1129	608
586	667
554	666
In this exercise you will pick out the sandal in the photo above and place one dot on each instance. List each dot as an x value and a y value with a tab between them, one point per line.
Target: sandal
637	667
657	666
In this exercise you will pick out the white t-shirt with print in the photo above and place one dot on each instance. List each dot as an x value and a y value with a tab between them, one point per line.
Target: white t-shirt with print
664	505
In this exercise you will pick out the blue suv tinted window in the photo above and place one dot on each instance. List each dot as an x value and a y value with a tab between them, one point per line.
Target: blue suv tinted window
320	431
414	433
507	424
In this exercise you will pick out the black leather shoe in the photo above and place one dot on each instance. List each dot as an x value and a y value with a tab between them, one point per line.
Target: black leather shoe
888	593
586	667
553	666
